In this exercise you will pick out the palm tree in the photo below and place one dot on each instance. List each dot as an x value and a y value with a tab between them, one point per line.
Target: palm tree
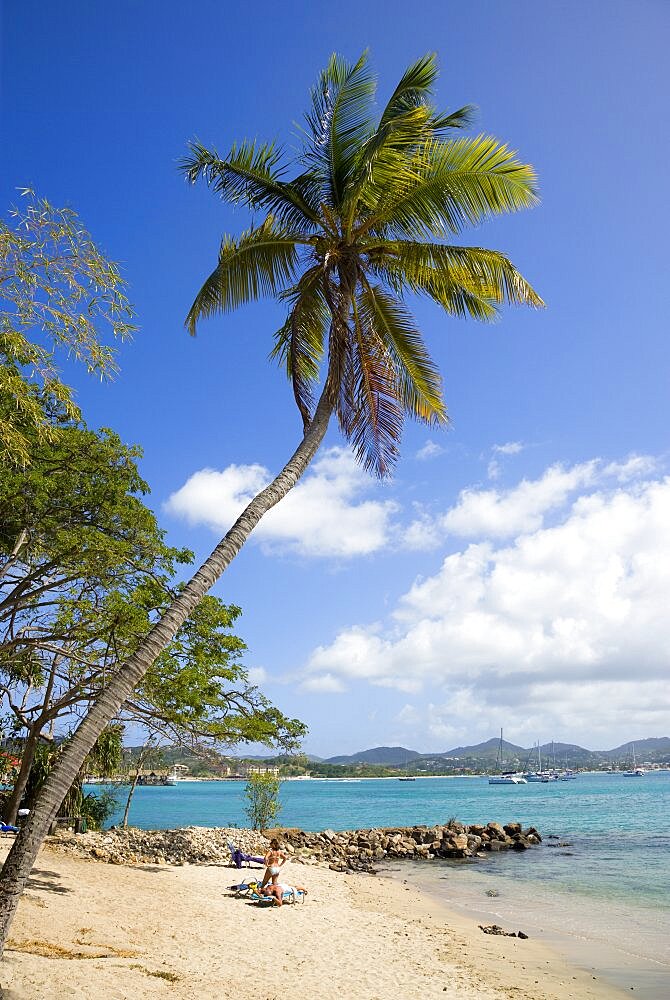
362	224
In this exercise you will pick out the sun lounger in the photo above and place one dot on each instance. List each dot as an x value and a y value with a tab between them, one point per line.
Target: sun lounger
291	896
238	857
8	828
250	890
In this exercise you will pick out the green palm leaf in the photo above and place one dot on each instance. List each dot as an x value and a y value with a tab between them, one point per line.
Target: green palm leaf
369	409
363	222
419	383
250	175
299	343
451	184
262	262
339	122
466	281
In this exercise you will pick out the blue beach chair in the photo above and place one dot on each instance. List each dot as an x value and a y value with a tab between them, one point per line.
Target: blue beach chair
291	896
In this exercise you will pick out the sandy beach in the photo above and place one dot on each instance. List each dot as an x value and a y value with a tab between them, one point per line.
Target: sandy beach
110	932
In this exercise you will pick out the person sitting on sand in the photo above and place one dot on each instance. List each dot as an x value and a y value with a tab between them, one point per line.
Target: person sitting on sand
277	890
273	860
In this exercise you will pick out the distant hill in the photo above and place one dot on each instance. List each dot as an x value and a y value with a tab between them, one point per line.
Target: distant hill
490	747
462	759
659	744
378	755
479	754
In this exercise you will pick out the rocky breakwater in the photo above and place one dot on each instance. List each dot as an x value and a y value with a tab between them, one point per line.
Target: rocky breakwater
347	850
192	845
365	849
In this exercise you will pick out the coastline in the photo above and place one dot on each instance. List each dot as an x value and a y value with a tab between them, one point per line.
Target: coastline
571	926
151	931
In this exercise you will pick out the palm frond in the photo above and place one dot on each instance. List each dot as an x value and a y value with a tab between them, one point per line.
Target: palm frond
262	262
466	281
452	184
369	410
414	87
408	122
251	174
299	343
339	122
419	384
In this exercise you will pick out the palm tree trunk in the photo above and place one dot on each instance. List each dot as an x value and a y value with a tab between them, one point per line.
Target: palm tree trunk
20	859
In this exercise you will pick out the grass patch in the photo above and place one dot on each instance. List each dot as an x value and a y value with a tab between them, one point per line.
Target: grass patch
171	977
49	950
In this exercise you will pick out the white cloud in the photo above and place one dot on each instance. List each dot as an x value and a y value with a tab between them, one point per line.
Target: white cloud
324	515
511	448
506	513
257	675
498	513
323	684
564	627
430	450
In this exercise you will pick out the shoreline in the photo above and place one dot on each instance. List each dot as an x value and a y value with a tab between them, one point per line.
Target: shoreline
174	932
589	949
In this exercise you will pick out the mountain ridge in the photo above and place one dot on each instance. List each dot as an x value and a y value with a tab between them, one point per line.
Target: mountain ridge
489	749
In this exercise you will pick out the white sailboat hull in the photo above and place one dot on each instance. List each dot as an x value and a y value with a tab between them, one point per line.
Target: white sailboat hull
507	779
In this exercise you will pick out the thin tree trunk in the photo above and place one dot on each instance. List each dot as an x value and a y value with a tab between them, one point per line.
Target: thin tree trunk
30	747
140	761
27	758
133	786
20	859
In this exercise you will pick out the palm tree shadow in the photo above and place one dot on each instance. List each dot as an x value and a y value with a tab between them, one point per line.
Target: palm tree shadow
46	882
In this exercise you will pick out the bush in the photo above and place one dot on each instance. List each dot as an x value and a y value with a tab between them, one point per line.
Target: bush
263	805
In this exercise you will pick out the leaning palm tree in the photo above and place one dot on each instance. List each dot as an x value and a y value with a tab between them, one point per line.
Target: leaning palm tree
363	223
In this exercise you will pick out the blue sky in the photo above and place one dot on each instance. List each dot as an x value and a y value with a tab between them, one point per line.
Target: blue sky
515	572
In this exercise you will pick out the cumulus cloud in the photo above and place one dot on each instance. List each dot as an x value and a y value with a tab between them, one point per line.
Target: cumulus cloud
500	513
257	675
326	514
565	625
323	684
430	450
510	448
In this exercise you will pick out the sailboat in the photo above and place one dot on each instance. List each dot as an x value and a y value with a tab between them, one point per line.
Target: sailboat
539	775
406	776
635	772
505	777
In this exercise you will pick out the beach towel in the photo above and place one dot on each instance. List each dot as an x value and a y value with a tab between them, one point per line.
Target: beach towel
238	856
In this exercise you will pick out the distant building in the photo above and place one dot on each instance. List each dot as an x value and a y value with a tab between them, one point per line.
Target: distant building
247	770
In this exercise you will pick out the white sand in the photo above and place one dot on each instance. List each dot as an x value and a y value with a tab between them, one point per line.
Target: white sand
91	930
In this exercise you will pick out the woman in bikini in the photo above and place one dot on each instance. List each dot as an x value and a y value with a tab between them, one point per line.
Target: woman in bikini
273	860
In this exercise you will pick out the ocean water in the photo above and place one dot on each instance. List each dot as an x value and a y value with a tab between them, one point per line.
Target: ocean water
604	899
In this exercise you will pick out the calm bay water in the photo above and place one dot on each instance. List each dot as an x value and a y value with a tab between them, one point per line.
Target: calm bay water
605	894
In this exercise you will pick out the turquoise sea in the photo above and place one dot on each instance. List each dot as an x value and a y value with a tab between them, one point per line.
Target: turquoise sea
604	899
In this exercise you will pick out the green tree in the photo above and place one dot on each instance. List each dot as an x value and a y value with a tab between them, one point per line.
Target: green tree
84	571
263	805
363	220
58	293
104	758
